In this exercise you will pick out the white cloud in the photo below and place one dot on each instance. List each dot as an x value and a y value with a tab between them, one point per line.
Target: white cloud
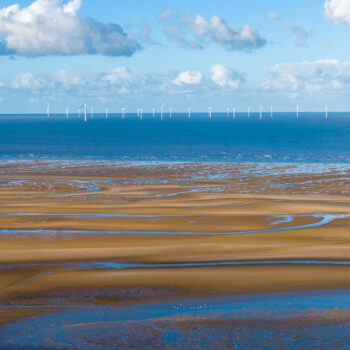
217	30
121	82
52	27
322	76
188	78
196	32
338	11
226	77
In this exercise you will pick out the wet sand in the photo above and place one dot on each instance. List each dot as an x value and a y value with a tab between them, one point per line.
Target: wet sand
96	235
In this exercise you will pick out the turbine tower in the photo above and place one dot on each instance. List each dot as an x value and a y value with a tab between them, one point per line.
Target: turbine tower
326	112
154	112
234	112
261	109
170	112
48	110
85	108
161	111
210	109
189	112
297	112
248	112
123	112
140	113
106	112
271	112
67	112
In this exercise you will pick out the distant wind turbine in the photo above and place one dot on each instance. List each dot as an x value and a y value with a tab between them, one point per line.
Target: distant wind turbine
297	112
123	112
326	112
154	112
210	109
189	112
170	112
161	111
67	112
261	109
234	112
248	112
271	112
106	112
85	110
48	110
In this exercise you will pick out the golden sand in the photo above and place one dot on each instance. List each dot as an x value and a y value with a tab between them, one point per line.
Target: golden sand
281	219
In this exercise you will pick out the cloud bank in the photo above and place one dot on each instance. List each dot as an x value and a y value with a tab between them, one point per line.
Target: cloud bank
53	27
322	76
121	81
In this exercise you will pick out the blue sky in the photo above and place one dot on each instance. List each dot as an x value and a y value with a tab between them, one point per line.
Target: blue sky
188	53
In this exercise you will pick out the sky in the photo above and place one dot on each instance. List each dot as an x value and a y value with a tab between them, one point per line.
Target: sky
175	53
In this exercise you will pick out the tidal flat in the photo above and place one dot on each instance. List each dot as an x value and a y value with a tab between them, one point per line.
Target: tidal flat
174	255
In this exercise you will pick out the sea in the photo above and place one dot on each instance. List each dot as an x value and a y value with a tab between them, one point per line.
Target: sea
284	138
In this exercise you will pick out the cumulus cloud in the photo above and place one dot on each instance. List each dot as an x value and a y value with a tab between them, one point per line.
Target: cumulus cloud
218	31
53	27
338	11
188	78
226	77
308	77
196	32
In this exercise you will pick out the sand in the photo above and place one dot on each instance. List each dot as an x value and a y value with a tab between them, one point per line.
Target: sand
57	222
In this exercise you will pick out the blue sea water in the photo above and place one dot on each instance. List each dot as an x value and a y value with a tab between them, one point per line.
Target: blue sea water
283	138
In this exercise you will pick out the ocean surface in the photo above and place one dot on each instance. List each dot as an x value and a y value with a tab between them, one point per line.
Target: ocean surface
310	139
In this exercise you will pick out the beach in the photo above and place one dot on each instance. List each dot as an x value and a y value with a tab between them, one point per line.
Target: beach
122	234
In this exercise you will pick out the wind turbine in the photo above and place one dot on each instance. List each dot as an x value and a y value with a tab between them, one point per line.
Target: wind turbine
326	112
123	112
248	112
297	112
154	112
261	109
48	110
140	113
85	108
189	112
67	112
161	111
106	112
271	112
210	109
170	112
234	112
